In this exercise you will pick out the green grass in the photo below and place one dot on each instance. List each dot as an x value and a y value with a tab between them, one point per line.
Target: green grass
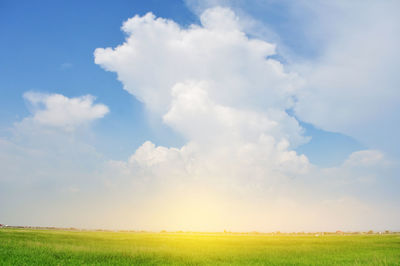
56	247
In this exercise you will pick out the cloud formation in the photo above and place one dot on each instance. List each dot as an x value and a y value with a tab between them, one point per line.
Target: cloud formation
217	88
224	92
59	111
238	70
347	55
210	83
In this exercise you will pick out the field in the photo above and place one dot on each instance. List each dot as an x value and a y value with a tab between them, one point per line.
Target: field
49	247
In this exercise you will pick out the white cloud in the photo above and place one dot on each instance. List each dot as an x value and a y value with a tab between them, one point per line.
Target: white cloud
56	110
219	89
345	51
212	84
193	114
365	158
218	52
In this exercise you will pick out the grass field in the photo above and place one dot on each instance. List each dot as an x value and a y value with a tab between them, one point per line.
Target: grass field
49	247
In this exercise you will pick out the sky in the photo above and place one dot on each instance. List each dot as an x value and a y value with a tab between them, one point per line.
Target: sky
200	115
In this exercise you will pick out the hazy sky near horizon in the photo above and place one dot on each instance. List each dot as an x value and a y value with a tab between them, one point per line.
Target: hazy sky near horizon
200	115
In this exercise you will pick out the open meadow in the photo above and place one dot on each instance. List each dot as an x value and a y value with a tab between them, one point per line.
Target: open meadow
49	247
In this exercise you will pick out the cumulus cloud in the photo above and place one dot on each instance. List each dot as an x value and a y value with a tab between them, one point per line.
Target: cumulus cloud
59	111
213	85
224	93
196	116
346	53
220	90
237	68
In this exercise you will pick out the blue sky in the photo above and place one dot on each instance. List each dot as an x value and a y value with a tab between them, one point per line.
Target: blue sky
290	107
